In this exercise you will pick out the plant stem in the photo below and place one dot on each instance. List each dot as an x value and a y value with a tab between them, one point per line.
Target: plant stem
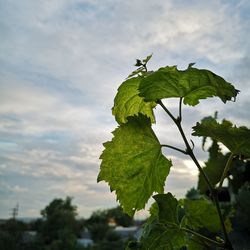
216	201
180	110
172	147
200	236
213	192
228	165
167	111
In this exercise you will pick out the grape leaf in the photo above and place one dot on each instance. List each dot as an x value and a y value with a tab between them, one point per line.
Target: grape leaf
163	232
192	84
195	243
160	237
236	139
128	103
133	164
201	214
167	205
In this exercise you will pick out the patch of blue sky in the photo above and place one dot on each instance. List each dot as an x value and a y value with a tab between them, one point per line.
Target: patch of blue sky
30	75
97	10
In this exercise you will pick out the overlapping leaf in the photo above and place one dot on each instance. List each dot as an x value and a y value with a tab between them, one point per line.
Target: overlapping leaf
167	207
161	237
133	164
191	84
162	231
128	103
236	139
201	214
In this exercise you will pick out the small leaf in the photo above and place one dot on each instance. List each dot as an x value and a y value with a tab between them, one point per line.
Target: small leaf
133	164
138	63
138	72
201	214
167	205
190	65
128	103
236	139
192	84
145	61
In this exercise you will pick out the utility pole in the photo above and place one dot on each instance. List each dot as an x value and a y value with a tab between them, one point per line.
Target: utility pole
14	212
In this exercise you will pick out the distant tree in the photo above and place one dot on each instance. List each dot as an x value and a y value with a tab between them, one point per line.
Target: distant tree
11	234
59	222
120	217
104	216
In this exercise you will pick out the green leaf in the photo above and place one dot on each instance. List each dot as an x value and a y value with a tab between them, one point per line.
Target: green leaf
138	63
162	230
237	140
192	84
194	243
168	208
214	167
201	214
128	103
133	164
160	237
145	61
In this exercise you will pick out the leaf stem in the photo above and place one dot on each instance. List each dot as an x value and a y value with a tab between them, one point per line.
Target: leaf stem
172	147
200	236
228	165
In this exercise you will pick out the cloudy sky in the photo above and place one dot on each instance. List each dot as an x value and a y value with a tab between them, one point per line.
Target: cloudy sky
61	62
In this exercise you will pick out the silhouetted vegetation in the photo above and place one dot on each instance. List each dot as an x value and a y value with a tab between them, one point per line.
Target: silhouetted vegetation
58	229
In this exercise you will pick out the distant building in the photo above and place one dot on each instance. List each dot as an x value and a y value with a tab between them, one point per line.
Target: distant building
85	242
128	232
85	239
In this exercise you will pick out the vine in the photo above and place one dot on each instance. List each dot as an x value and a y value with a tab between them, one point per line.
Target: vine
135	168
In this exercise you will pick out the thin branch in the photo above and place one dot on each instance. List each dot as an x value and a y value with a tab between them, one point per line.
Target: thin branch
216	201
191	154
167	111
180	110
227	167
187	230
172	147
200	236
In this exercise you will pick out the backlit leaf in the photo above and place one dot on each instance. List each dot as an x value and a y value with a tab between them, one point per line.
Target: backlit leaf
192	84
128	103
133	164
167	206
162	231
201	214
236	139
160	237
